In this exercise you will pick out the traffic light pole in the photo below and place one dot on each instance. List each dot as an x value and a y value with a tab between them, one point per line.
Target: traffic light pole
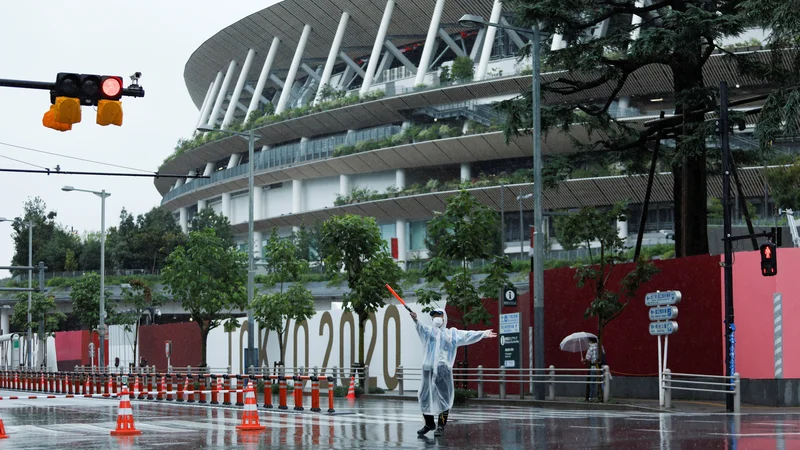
730	327
137	91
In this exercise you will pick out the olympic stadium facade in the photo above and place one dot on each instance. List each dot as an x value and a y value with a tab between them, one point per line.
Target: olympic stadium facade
384	109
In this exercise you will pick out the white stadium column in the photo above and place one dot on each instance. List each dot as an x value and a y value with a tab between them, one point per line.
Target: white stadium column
226	205
430	42
488	43
622	229
209	169
184	219
344	185
204	107
400	231
297	196
556	44
466	172
211	100
237	90
188	177
262	78
4	316
223	92
298	57
179	182
201	205
636	21
257	215
332	53
369	75
234	161
400	179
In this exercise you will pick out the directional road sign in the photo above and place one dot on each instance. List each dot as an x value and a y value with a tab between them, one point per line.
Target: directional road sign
662	298
663	328
664	313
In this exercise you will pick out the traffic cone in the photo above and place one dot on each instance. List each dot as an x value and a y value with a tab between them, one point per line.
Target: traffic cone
125	426
351	393
3	434
250	415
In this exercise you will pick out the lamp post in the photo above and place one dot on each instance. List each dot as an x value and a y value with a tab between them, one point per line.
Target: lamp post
250	353
520	198
102	325
472	21
30	286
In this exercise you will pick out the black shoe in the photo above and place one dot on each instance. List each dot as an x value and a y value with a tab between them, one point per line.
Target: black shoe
424	430
439	431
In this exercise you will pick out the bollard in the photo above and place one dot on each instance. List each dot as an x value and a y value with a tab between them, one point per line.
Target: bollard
480	381
298	394
366	378
606	384
216	386
502	383
522	385
737	393
203	384
282	394
667	375
552	385
162	388
315	394
399	375
170	387
267	392
331	385
183	389
240	394
227	388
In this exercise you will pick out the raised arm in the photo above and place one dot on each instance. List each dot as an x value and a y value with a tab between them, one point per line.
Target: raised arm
424	331
464	337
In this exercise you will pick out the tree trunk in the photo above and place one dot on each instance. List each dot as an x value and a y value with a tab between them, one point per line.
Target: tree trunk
135	344
362	319
282	354
204	330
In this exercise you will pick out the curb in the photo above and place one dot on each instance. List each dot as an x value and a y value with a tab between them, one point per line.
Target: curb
536	403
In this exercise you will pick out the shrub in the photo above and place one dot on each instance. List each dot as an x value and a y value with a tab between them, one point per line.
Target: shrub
462	395
463	68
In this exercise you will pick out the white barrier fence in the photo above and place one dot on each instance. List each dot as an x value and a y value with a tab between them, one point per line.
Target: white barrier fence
728	385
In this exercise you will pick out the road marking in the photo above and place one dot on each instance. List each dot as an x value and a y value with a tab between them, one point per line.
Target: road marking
790	433
587	426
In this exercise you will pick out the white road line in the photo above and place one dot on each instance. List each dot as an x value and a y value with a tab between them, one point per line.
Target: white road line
587	426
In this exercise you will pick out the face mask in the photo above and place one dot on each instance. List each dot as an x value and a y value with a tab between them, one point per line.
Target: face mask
438	322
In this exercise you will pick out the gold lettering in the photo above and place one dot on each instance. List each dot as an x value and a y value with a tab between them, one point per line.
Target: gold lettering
304	326
347	317
391	313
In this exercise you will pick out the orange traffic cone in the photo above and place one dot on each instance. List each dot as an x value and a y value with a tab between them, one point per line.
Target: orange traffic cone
3	434
125	426
250	415
351	393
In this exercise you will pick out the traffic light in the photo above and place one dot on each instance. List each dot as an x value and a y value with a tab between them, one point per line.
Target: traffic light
769	259
71	90
109	112
49	120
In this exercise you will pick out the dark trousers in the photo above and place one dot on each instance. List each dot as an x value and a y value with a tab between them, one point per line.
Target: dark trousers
591	387
441	421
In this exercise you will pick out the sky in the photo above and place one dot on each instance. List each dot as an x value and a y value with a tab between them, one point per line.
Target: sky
40	39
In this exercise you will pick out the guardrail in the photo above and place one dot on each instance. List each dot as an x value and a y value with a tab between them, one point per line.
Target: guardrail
504	377
730	386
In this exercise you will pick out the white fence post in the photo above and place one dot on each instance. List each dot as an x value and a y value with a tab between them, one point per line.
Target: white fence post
667	388
606	384
552	384
480	381
737	393
399	375
502	382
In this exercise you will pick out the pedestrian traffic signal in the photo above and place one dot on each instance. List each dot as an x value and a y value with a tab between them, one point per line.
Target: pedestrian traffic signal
769	260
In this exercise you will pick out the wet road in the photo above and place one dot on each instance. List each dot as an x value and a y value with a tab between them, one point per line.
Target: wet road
85	423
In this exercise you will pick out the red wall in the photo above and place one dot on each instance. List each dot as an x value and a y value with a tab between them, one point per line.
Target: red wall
630	350
72	348
185	339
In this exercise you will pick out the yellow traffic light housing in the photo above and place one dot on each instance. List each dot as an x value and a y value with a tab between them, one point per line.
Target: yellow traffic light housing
49	120
109	112
68	110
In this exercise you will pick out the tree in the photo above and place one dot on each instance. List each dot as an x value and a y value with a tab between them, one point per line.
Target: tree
157	234
90	252
138	299
678	36
784	184
43	309
465	232
50	241
85	295
593	226
353	244
71	262
208	277
206	218
275	310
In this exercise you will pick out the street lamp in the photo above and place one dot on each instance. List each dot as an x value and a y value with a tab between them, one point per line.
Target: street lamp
520	198
30	286
250	353
472	21
102	331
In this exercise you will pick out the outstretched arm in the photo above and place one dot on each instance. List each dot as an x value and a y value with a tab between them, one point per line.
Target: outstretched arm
464	337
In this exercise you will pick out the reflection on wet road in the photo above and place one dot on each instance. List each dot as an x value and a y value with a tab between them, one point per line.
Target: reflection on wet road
85	423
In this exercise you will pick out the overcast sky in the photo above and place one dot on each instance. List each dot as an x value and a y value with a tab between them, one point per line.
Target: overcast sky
40	39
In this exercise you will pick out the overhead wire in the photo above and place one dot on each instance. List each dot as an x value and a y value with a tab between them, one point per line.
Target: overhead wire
73	157
23	162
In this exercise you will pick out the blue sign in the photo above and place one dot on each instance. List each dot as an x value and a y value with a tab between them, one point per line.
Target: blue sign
662	298
663	328
664	313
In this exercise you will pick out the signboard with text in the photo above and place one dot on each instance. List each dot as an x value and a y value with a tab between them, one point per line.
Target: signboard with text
510	342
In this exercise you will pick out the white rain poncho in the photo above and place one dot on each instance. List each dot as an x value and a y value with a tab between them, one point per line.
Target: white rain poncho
436	394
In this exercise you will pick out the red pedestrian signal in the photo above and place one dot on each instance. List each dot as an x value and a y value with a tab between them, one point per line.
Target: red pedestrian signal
769	260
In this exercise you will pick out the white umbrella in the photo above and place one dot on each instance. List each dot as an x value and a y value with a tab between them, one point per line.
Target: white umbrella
576	342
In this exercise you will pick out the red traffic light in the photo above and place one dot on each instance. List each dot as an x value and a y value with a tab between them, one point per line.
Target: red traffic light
111	87
769	262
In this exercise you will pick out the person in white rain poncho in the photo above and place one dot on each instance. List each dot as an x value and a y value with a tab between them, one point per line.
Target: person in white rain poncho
436	393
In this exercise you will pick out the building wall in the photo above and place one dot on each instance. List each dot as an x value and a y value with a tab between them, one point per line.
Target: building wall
185	339
277	201
377	181
240	208
320	193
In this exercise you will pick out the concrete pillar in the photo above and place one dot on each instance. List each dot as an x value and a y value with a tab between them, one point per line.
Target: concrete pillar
262	78
237	90
400	179
376	47
258	215
226	205
211	100
184	219
209	169
201	205
344	185
488	43
622	229
298	57
466	172
204	107
623	104
402	243
297	196
557	40
223	92
4	323
258	238
303	154
636	20
430	42
178	182
234	161
332	53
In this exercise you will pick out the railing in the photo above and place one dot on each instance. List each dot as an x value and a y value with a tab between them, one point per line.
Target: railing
552	376
728	385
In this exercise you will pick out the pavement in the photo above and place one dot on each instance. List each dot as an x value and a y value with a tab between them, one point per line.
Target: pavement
376	423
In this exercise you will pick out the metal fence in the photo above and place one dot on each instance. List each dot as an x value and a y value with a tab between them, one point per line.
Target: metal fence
727	385
550	377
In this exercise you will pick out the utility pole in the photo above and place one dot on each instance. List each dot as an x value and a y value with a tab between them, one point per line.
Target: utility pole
730	327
